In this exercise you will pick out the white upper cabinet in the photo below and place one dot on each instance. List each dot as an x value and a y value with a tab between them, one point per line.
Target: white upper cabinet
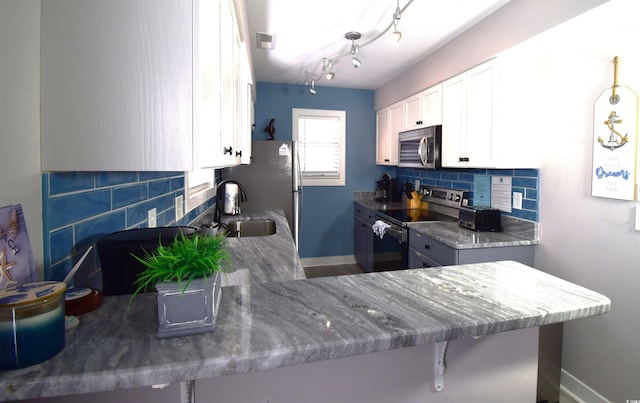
431	106
389	122
412	112
247	110
423	109
206	88
469	118
132	85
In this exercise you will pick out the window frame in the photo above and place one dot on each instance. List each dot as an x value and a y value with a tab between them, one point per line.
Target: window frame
324	113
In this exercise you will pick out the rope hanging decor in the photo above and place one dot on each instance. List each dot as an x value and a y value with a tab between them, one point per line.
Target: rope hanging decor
615	134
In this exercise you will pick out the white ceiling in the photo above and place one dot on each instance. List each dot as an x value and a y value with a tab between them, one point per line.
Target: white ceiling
306	31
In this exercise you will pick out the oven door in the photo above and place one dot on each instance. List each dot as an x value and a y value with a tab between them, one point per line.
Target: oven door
391	251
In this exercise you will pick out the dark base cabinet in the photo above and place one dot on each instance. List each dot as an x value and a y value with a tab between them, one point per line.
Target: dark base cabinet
428	252
363	237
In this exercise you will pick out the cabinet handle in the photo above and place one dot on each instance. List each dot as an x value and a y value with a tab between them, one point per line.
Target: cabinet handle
386	160
239	153
427	246
463	159
227	150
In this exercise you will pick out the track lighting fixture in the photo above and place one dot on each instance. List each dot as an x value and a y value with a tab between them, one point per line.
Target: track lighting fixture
396	35
329	75
355	49
353	36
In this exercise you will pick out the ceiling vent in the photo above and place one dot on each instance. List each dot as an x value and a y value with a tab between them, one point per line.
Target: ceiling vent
265	41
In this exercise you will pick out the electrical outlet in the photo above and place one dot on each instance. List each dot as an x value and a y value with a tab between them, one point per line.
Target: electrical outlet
179	207
517	200
151	218
417	184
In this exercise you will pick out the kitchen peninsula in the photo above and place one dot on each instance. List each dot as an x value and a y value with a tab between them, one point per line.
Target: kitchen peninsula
333	338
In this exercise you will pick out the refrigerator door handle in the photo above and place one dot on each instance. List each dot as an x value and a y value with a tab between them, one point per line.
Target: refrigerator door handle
297	191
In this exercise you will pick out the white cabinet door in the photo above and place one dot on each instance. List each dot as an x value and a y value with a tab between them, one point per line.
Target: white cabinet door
206	85
481	110
229	105
116	85
453	121
389	122
423	109
246	108
395	127
412	108
382	136
132	85
431	105
469	109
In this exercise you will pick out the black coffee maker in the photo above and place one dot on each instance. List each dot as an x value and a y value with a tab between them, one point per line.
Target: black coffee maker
387	189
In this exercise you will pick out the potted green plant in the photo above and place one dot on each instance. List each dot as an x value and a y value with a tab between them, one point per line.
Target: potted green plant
186	275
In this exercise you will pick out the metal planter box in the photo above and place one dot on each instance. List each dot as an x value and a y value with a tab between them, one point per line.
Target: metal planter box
190	312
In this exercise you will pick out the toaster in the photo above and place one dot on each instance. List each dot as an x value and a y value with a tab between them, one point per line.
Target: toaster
480	219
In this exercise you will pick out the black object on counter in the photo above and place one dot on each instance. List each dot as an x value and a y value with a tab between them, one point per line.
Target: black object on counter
119	268
479	218
408	188
387	189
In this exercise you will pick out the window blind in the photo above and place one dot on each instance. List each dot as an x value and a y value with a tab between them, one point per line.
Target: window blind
319	142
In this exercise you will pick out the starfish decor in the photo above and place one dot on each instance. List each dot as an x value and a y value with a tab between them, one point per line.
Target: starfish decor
5	277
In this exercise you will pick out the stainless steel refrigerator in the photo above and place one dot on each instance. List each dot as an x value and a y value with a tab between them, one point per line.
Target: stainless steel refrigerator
272	180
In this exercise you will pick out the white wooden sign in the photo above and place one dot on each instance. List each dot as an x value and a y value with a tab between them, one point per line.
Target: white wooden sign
615	134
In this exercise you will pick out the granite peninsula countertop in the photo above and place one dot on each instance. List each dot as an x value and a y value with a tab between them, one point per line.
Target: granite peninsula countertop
266	258
516	232
270	325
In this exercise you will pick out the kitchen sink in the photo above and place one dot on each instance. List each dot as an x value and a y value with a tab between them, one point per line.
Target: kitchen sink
251	227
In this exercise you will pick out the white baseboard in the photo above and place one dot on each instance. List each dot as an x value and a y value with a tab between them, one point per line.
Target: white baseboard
328	261
578	390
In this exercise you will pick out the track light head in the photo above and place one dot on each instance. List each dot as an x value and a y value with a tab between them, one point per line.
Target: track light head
355	49
312	90
396	35
329	76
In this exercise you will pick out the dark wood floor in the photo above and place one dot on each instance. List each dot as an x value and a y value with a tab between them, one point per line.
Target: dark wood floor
328	271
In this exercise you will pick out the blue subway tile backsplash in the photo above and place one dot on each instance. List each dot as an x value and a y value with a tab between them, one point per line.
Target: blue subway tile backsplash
69	208
525	181
125	195
79	207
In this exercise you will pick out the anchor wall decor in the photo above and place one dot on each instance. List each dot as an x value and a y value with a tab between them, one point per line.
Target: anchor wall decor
615	138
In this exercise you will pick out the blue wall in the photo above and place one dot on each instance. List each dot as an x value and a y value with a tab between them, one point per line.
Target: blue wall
79	207
327	214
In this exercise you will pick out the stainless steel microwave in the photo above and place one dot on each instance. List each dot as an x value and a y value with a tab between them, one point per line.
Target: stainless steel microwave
420	148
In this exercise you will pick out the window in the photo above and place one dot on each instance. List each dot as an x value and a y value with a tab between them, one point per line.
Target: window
321	146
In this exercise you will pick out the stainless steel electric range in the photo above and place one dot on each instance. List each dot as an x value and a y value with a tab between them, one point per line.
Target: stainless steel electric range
392	250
